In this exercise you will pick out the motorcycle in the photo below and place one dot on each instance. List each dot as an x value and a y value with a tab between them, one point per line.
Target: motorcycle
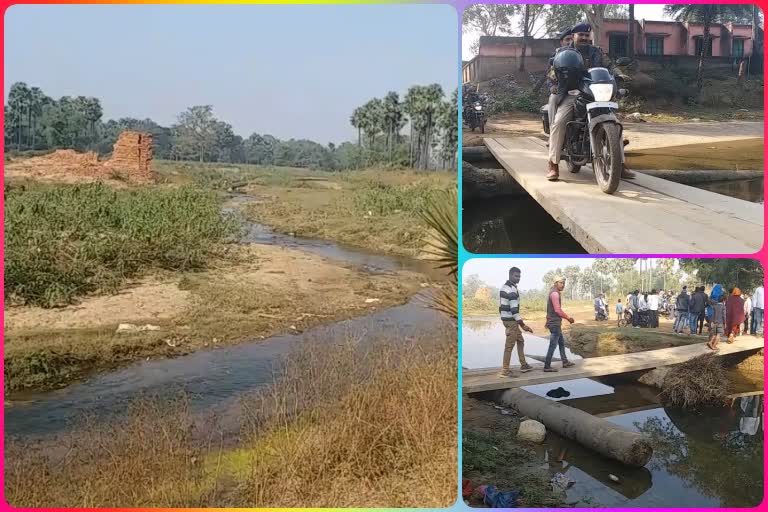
474	116
594	136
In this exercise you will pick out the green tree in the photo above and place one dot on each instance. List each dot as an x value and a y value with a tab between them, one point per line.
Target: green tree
472	283
19	103
195	132
449	131
260	149
745	273
393	121
706	14
488	19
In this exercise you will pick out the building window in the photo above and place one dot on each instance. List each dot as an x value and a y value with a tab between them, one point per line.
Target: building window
700	44
654	46
738	47
617	45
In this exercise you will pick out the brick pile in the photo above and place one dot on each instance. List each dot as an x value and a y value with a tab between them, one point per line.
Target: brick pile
132	153
131	160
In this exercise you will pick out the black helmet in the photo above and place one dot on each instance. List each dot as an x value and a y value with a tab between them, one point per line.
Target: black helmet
569	68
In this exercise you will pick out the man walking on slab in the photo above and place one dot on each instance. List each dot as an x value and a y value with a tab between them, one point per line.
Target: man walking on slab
555	316
509	310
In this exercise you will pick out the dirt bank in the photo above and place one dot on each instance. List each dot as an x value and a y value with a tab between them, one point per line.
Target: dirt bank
253	292
493	456
728	155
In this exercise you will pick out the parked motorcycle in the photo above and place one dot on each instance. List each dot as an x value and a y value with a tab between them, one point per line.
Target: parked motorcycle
594	136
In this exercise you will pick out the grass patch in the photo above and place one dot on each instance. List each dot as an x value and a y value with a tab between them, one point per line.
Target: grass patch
65	241
592	341
375	210
376	420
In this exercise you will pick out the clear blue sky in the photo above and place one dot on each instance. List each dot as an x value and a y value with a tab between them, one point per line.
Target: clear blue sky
294	71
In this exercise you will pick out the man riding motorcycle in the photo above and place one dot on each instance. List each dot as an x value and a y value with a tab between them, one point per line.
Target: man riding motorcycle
568	65
566	39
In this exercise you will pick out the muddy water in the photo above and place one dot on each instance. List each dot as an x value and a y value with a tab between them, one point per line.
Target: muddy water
215	379
713	458
748	190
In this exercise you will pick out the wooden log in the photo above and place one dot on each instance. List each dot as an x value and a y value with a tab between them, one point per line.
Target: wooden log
605	438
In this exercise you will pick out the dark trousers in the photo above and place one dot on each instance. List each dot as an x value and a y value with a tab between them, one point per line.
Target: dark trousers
556	340
701	322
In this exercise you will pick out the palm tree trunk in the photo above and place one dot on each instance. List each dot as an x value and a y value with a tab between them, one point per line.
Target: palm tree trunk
525	37
704	47
410	153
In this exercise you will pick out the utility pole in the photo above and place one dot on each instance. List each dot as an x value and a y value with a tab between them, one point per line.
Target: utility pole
631	32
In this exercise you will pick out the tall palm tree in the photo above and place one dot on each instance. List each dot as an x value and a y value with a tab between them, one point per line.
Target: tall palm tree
706	14
356	120
393	118
18	104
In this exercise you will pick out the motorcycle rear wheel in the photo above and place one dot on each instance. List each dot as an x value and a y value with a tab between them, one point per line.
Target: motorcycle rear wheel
607	162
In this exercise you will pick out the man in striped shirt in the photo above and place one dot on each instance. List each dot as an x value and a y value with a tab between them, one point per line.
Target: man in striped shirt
509	309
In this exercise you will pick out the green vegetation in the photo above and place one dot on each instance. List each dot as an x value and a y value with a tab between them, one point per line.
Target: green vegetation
35	121
65	241
375	209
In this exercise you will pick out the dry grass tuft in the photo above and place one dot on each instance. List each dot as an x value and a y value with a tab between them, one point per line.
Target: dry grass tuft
698	382
144	459
358	427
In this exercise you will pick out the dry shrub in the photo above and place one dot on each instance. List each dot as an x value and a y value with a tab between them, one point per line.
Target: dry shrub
143	459
358	427
698	382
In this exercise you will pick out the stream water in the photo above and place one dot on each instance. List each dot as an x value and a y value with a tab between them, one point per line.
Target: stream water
215	379
709	458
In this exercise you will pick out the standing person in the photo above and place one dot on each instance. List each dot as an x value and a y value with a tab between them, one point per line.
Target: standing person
681	307
747	312
653	307
734	314
509	310
718	322
555	316
619	309
696	307
634	306
758	306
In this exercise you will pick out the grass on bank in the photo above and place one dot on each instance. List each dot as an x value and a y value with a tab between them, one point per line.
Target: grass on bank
65	241
347	425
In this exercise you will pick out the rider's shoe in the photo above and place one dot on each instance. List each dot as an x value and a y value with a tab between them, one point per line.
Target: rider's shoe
626	173
554	172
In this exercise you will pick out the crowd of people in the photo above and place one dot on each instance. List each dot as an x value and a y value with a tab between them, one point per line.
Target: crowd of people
724	314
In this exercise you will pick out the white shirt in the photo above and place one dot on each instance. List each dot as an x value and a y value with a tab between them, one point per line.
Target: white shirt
758	301
641	303
748	306
653	302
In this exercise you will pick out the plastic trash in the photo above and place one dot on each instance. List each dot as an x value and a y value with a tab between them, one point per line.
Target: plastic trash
495	498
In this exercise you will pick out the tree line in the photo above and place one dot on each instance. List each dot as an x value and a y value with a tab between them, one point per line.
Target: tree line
622	275
35	121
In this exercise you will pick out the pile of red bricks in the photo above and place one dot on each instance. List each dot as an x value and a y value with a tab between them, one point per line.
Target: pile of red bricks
132	154
131	161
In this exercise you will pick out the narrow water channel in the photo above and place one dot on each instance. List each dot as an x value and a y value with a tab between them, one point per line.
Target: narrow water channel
215	379
709	458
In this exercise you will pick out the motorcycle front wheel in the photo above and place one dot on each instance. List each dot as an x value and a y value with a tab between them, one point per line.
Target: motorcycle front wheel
482	126
607	161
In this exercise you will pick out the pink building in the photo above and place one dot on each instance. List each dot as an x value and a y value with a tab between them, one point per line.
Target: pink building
658	38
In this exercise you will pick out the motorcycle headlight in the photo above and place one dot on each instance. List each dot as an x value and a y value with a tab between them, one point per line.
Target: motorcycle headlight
478	107
602	92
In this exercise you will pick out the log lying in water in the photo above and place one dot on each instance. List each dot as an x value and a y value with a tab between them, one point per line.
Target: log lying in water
486	183
597	434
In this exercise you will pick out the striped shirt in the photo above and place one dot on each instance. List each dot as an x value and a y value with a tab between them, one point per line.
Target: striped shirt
509	303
